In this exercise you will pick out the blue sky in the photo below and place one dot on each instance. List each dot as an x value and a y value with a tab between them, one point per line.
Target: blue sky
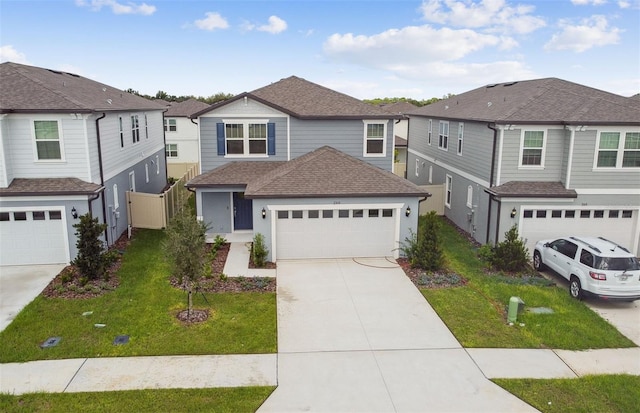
367	49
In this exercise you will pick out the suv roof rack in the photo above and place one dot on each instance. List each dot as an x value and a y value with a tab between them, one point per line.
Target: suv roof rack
615	245
596	249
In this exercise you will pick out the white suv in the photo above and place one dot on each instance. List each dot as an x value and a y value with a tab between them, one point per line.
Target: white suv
593	266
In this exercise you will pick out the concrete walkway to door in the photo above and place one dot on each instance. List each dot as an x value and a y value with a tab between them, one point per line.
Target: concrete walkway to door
357	336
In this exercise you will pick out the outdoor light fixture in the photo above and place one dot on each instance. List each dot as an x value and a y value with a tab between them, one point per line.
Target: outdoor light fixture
408	211
74	213
264	213
513	212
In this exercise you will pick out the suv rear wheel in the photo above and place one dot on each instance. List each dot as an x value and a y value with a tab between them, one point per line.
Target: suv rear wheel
537	261
575	288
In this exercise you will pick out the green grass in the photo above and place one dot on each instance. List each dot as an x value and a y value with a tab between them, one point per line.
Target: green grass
613	393
143	307
232	400
476	312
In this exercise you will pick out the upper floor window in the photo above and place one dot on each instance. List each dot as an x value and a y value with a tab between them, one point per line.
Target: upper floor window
532	148
430	131
146	127
171	150
443	135
121	131
135	128
375	138
246	138
615	152
170	125
48	143
460	137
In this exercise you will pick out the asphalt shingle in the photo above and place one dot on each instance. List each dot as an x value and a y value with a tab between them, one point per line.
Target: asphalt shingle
537	189
49	186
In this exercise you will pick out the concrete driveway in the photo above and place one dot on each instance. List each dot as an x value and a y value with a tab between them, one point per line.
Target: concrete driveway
624	316
359	337
19	285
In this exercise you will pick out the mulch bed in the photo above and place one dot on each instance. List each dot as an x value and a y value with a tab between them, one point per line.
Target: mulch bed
69	284
193	316
425	279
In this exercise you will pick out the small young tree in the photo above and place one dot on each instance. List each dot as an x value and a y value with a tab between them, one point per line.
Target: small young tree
92	260
259	251
511	254
184	248
429	254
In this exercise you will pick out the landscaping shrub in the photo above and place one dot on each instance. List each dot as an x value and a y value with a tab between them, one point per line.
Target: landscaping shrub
259	251
510	255
92	260
423	250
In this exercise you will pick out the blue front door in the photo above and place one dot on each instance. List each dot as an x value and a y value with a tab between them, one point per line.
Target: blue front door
242	212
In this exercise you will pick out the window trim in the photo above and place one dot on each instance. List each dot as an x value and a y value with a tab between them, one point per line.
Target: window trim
460	138
146	127
619	151
470	196
384	124
60	140
167	125
443	139
542	153
417	166
116	201
245	137
135	129
448	195
430	132
168	151
121	130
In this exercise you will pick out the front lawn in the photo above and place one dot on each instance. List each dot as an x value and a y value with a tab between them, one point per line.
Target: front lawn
229	400
144	307
476	311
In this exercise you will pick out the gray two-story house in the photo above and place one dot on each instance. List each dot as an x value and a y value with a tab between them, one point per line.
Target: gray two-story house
68	146
554	157
308	168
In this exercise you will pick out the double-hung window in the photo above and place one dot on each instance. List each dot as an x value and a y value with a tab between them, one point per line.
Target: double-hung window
430	131
449	189
532	148
48	140
121	131
135	128
443	135
257	138
170	125
460	137
171	150
375	138
246	138
618	150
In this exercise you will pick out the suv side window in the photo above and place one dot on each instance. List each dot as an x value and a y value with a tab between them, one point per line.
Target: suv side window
586	258
565	247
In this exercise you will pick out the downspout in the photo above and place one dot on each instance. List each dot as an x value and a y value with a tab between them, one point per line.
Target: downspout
572	138
406	153
104	201
91	199
199	146
493	165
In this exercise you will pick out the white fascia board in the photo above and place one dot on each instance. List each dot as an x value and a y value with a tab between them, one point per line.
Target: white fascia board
305	207
453	169
607	191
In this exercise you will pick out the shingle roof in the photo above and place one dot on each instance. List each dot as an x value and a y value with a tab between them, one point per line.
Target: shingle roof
307	100
185	108
322	173
400	142
49	186
399	107
29	89
537	189
549	100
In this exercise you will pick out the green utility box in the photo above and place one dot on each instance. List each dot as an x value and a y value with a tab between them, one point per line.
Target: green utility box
516	306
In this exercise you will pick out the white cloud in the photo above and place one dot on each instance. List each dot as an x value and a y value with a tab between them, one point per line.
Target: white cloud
588	2
276	25
118	8
211	22
491	15
629	4
9	54
591	32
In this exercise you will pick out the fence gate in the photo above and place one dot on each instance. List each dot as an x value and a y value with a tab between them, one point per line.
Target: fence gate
435	202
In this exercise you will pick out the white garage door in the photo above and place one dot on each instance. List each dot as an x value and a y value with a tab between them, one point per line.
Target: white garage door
336	233
32	237
615	224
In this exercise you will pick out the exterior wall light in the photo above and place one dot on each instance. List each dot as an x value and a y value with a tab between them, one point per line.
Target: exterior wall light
74	213
408	211
264	213
513	212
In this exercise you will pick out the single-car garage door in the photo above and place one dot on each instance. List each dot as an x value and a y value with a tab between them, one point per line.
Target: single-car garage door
616	224
336	233
32	237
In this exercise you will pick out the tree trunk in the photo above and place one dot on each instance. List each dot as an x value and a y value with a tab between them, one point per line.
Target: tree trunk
190	305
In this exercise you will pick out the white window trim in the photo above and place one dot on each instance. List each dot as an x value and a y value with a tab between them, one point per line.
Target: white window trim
448	191
133	135
167	126
132	181
146	172
169	150
620	154
35	145
430	132
417	167
460	138
544	148
470	196
157	164
245	139
448	135
382	122
116	201
121	132
146	127
430	174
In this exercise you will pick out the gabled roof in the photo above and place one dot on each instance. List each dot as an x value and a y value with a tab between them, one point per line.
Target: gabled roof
185	108
399	107
49	186
306	100
325	172
537	189
30	89
541	101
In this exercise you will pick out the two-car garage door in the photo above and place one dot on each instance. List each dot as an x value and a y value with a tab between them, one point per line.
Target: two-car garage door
33	237
339	232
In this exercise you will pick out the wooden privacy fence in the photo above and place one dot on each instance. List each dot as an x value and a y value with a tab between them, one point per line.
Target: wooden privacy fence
435	202
154	211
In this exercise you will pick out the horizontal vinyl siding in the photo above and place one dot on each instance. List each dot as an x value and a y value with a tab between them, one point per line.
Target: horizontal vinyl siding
344	135
584	176
476	149
5	160
554	153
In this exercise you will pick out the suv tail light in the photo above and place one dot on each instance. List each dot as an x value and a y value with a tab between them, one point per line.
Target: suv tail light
597	275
